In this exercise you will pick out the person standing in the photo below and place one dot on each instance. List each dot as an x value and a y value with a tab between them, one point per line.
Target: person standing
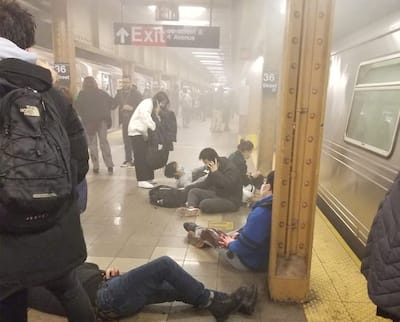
139	126
186	106
94	107
50	256
127	99
380	262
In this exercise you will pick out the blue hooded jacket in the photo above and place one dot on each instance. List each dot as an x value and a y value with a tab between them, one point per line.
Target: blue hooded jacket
252	245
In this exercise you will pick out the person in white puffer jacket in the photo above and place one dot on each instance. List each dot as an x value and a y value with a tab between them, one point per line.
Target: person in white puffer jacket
139	125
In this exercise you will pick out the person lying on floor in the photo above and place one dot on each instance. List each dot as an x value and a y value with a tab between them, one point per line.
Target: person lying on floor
116	295
183	177
221	191
247	248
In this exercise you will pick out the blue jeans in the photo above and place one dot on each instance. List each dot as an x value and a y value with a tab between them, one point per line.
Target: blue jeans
158	281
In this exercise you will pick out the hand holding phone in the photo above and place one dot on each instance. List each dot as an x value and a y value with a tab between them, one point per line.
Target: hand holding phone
213	165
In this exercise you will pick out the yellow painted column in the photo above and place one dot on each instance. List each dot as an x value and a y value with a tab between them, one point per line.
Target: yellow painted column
63	39
302	105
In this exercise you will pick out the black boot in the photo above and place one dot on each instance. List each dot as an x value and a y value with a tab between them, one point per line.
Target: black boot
223	304
248	296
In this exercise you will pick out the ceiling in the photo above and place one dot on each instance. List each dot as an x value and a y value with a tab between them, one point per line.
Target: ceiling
349	16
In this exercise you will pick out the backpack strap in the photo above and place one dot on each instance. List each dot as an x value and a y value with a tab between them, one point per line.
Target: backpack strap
5	87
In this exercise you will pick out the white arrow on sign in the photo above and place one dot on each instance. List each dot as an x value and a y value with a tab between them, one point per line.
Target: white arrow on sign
122	34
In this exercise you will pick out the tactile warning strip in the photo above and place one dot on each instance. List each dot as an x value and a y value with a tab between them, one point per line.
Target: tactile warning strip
338	290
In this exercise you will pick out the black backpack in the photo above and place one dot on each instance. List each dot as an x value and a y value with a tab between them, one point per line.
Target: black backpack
166	196
88	274
35	174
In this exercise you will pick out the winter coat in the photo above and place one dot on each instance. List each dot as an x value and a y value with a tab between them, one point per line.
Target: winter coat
131	97
94	106
381	262
225	182
33	259
240	163
165	131
252	245
141	120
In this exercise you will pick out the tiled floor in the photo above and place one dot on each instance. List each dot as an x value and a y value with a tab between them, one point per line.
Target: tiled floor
122	229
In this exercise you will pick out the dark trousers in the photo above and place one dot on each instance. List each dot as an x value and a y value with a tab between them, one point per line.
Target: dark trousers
68	291
158	281
126	138
209	202
140	147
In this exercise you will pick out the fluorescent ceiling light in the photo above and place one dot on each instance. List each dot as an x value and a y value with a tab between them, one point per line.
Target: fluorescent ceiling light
206	53
204	57
191	11
152	7
211	62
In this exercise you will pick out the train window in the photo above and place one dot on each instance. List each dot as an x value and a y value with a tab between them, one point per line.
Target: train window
380	72
375	110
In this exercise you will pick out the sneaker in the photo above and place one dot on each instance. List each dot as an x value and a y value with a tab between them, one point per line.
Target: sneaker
110	170
190	226
96	171
188	212
131	165
211	237
125	164
145	185
223	305
195	241
248	296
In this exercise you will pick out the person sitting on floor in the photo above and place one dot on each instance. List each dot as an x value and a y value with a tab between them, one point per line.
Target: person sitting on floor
249	182
221	191
161	280
184	178
247	248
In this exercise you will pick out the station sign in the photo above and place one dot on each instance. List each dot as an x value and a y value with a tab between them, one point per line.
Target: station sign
64	72
166	35
167	12
270	81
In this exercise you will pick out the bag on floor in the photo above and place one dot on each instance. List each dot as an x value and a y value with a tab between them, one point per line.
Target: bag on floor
166	196
41	299
35	174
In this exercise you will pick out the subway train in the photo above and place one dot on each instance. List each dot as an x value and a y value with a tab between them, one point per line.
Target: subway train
361	152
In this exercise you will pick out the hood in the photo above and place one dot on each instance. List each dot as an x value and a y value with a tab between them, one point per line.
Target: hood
262	201
23	74
10	50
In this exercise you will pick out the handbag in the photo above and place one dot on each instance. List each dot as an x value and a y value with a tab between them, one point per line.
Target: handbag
155	158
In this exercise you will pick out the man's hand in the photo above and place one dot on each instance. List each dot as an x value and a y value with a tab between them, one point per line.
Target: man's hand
213	165
127	107
112	272
234	234
225	240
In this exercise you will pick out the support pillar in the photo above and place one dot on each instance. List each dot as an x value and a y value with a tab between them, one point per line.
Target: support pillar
303	94
63	41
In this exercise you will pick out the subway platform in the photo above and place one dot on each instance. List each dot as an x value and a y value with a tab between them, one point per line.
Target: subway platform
123	230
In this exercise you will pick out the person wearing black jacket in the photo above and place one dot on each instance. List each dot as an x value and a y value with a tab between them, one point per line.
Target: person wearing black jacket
127	99
221	191
48	257
94	107
249	182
